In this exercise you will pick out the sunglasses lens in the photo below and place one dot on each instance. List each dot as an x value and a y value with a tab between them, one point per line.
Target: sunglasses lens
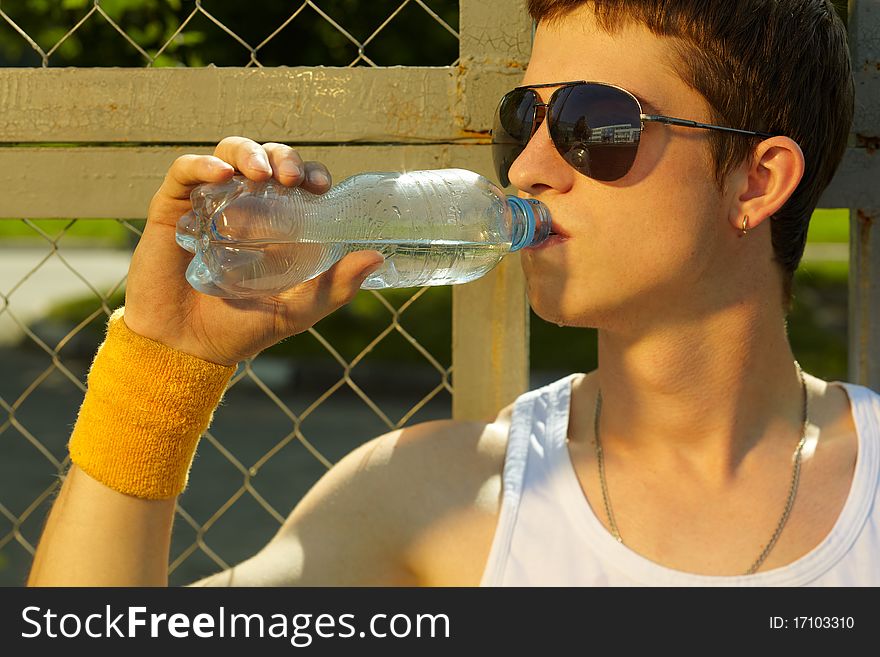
596	128
512	130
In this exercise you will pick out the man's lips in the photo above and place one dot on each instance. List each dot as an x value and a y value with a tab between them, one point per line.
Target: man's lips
556	236
557	230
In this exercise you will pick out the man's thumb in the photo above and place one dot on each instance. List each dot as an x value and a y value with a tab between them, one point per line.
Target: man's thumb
347	275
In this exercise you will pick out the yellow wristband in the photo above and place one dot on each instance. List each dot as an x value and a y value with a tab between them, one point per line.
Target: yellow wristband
146	407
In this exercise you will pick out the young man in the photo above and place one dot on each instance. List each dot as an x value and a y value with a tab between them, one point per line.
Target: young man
697	453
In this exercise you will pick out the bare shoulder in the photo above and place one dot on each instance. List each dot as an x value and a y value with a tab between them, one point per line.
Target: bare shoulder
451	469
454	472
369	519
460	444
425	459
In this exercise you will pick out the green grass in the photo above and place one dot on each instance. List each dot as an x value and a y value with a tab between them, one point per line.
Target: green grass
832	272
829	226
75	310
100	232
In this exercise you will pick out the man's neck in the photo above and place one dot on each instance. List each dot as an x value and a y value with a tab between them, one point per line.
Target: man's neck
700	392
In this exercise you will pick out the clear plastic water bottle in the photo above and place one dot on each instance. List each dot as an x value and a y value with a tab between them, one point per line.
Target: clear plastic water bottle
436	227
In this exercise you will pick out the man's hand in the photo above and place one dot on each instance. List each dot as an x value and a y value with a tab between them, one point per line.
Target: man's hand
161	305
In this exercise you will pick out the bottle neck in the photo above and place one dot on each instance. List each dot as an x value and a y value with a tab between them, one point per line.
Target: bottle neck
530	222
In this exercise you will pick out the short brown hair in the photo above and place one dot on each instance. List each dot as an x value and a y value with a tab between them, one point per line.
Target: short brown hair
777	66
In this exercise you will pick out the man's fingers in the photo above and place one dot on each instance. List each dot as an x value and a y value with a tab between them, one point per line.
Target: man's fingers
246	156
287	165
259	162
311	301
187	171
317	178
338	285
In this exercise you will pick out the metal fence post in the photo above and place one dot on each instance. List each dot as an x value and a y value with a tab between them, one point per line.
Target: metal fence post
864	287
490	361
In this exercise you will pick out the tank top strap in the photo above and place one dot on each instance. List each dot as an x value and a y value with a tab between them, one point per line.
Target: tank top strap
559	406
538	424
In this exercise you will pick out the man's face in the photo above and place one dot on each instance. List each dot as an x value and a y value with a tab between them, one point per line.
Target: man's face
648	246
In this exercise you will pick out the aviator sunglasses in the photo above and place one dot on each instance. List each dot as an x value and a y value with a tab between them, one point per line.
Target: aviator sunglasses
596	127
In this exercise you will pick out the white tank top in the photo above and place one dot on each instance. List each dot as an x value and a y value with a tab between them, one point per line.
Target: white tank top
548	535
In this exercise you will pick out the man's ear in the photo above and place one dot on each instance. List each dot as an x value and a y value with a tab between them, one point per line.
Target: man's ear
768	181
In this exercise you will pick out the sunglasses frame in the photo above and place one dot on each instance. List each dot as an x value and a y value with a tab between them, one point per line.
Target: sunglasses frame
541	110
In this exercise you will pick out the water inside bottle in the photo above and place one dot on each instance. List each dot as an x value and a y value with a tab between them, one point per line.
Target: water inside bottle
433	227
417	263
255	265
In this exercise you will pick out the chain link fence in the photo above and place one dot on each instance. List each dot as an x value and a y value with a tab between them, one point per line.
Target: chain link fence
70	131
290	413
175	33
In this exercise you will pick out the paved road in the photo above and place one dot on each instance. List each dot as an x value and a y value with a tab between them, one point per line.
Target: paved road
33	279
248	425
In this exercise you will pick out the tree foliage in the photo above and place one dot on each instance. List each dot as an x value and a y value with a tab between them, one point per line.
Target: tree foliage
411	38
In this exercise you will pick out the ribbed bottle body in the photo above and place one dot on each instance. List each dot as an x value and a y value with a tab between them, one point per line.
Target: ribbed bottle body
433	227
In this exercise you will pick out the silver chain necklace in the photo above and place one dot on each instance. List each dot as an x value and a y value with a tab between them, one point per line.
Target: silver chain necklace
792	491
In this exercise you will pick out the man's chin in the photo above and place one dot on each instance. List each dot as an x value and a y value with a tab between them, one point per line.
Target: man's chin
552	306
550	309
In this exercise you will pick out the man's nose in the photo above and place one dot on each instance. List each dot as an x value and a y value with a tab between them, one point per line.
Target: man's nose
540	166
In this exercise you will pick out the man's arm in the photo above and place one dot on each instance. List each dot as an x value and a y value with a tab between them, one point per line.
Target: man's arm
97	537
350	529
113	525
356	527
